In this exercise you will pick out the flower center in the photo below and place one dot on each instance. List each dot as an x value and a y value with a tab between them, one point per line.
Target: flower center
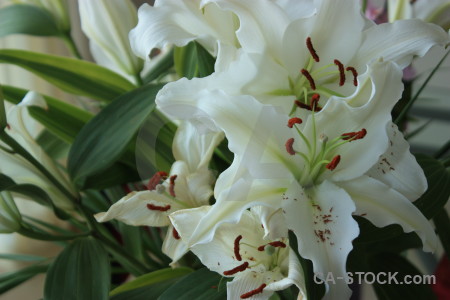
318	156
313	80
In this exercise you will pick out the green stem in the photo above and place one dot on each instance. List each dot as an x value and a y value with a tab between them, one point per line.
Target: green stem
24	153
442	150
44	236
138	79
405	110
67	38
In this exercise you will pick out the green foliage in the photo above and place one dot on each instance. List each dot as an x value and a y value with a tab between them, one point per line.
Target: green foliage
200	285
75	76
12	279
80	272
193	61
438	178
106	137
27	19
152	279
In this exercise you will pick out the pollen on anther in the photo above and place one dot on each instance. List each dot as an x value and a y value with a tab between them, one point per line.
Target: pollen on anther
277	244
289	146
236	248
312	50
333	163
156	179
315	102
293	121
172	185
175	234
239	268
157	207
341	72
355	75
256	291
309	78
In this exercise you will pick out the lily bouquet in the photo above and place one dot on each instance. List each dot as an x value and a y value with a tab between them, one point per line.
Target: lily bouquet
224	149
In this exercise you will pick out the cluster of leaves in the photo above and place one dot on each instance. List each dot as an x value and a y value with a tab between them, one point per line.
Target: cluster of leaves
102	157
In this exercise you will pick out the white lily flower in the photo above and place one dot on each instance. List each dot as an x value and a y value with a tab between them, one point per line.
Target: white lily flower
9	214
108	37
323	54
431	11
319	166
20	124
214	25
188	185
259	267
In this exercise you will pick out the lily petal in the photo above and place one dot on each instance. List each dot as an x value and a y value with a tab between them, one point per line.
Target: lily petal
398	168
132	209
399	42
383	206
173	247
321	218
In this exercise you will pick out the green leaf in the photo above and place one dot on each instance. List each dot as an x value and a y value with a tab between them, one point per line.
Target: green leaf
193	60
200	285
27	19
150	279
52	145
75	76
438	178
392	263
22	257
61	119
80	272
442	223
161	68
105	138
3	121
13	279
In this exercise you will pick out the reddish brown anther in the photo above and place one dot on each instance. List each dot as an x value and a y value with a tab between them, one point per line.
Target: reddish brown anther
156	179
302	105
333	163
341	72
353	136
293	121
239	268
278	244
172	185
315	102
312	50
261	248
157	207
259	290
175	234
355	75
289	146
309	78
236	248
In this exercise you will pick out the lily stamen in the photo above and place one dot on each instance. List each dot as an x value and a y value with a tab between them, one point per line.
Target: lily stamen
355	75
156	179
175	234
239	268
289	146
172	185
315	102
157	207
341	72
309	78
353	136
312	50
256	291
334	162
236	248
293	121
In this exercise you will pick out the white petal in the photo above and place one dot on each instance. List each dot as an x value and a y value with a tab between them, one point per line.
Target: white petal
172	247
179	22
99	23
195	146
399	42
398	168
399	10
384	206
273	222
245	283
321	218
132	209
